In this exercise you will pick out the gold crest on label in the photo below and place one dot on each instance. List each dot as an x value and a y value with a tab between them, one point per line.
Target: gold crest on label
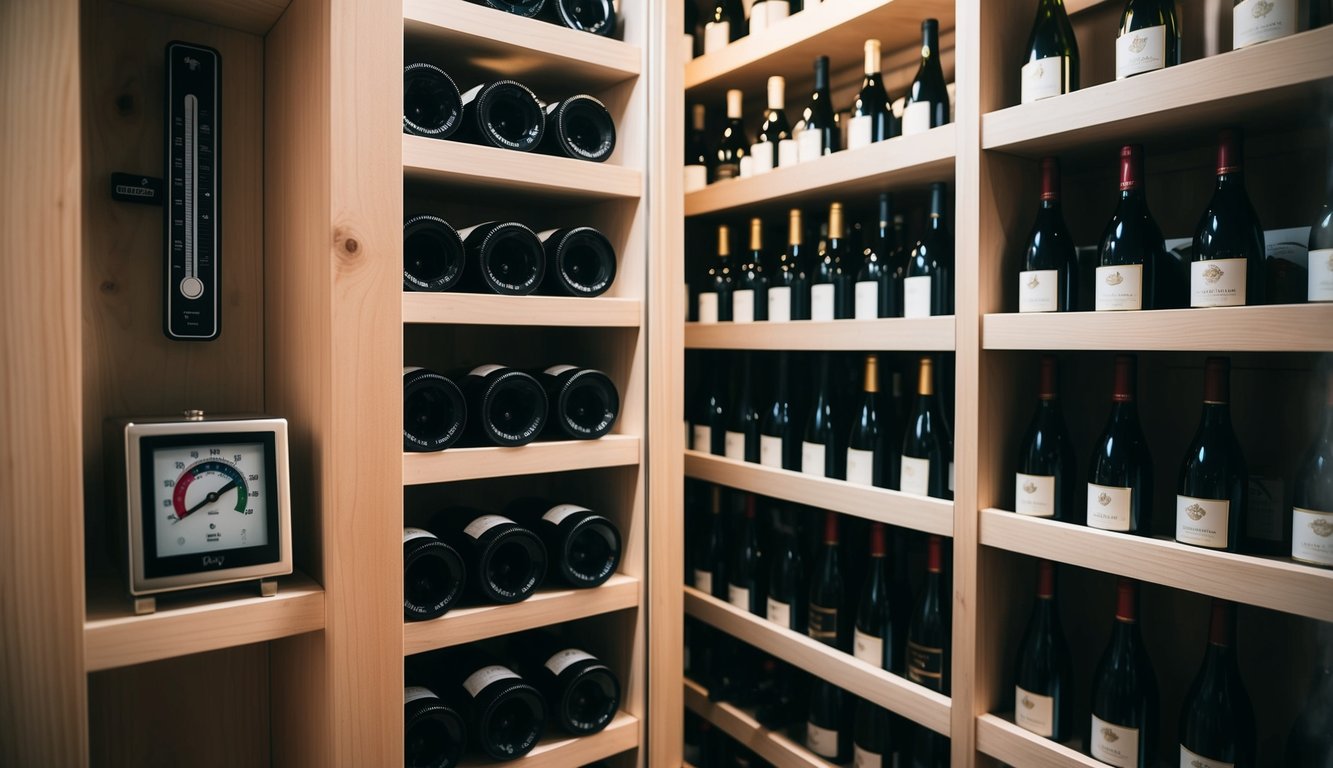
1195	512
1029	487
1114	278
1138	44
1212	274
1110	735
1028	703
1033	283
1321	528
1103	498
1261	9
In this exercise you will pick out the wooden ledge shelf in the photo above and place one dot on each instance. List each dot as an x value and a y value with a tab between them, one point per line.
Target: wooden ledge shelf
536	458
908	510
789	47
1276	328
475	168
113	636
1281	585
740	725
928	334
486	309
1252	85
560	750
1010	744
885	166
527	50
546	607
888	690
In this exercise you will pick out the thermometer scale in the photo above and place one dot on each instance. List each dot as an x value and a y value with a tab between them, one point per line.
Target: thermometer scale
193	232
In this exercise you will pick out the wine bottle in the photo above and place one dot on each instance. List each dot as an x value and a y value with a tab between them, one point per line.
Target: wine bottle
434	413
927	447
837	251
929	749
507	407
710	573
1320	274
927	659
732	149
505	714
580	261
505	562
517	7
824	274
827	732
1148	39
582	546
822	453
1133	253
696	151
744	588
691	30
1217	720
1258	21
503	257
788	287
432	105
871	736
1120	478
1212	496
434	735
766	13
749	297
742	437
877	284
1049	279
827	621
579	127
724	25
820	134
596	17
584	402
1310	743
1045	485
779	432
433	257
875	636
581	692
1227	261
1050	61
786	605
1043	697
872	120
774	147
782	706
928	98
928	286
710	423
1124	691
433	575
1312	503
865	454
503	114
715	294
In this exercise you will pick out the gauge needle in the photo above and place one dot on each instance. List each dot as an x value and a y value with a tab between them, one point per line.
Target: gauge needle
209	499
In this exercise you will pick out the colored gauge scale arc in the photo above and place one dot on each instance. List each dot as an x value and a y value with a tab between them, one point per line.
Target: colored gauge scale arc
234	480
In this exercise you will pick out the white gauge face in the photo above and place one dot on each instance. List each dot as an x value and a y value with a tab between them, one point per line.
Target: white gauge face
210	498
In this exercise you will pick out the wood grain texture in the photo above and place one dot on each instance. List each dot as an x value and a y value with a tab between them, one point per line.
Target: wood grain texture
1002	740
501	172
333	365
562	751
919	704
892	334
919	513
253	16
485	309
741	726
43	702
493	461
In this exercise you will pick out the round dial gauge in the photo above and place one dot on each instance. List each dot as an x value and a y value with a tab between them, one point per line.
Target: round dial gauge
210	498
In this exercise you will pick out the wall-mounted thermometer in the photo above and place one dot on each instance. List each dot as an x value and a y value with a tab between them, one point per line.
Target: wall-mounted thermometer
191	308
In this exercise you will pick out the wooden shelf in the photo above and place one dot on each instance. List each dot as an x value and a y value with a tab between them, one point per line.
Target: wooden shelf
457	464
929	334
475	168
908	510
1264	84
546	607
1281	585
1010	744
486	309
888	690
560	750
113	636
254	16
789	47
531	51
885	166
741	726
1278	328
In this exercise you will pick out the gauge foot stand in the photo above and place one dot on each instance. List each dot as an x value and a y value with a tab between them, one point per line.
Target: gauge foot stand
268	587
144	605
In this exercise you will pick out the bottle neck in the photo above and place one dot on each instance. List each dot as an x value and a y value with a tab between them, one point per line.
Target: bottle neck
782	378
930	43
821	76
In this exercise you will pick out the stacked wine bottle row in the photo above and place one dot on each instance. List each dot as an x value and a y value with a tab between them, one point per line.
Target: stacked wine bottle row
1212	491
485	557
497	405
597	17
505	114
730	20
506	258
872	117
499	707
1216	722
840	279
1227	265
856	599
877	441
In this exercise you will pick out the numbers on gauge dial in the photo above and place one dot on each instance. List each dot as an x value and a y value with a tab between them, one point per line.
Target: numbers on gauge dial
210	498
